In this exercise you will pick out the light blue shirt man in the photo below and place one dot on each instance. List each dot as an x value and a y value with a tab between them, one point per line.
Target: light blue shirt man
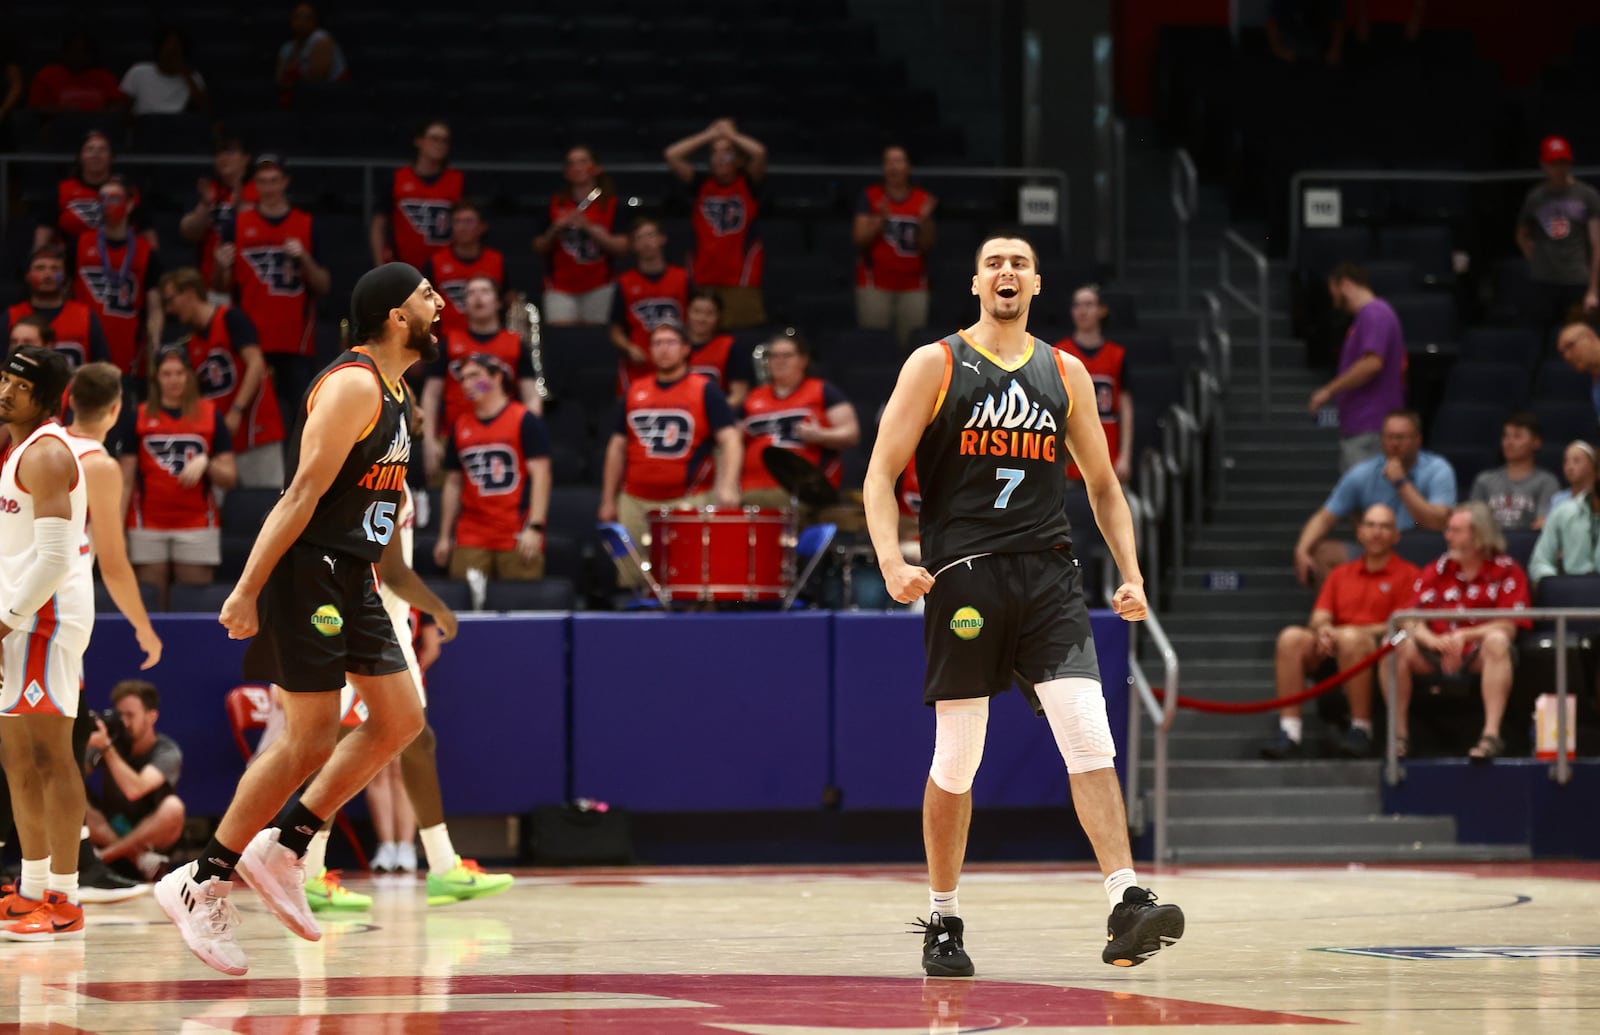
1365	484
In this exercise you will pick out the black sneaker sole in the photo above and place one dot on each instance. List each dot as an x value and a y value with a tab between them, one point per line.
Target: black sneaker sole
1149	936
947	968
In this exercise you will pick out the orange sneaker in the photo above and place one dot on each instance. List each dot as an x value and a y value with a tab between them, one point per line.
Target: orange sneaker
13	906
54	919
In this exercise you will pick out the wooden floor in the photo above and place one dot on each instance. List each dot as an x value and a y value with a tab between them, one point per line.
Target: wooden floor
1458	950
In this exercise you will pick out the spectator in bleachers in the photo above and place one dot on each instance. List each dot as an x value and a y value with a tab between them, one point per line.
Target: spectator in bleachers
1578	467
136	816
412	219
78	195
578	243
179	450
654	291
893	233
660	453
227	359
1570	539
1306	30
116	276
76	327
1347	623
465	258
497	481
1518	494
1474	573
728	254
797	412
443	401
1419	486
714	353
273	262
31	330
1107	363
78	82
310	55
1371	379
1579	345
1558	232
169	84
220	197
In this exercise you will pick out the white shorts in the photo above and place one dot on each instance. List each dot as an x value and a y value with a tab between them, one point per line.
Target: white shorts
353	710
589	307
199	546
42	675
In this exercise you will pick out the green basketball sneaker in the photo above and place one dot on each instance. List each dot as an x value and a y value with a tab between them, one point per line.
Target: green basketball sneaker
464	881
324	892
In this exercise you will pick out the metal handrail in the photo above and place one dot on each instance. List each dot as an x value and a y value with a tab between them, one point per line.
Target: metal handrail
369	167
1259	307
1144	697
1212	323
1561	772
1185	193
1298	180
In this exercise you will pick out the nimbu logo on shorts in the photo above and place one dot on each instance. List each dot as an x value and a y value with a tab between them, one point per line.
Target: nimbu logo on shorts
967	623
327	620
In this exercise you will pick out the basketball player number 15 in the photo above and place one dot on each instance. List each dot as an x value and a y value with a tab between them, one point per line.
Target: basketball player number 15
1013	478
378	522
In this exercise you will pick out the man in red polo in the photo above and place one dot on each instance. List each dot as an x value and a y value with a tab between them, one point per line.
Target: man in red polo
1346	624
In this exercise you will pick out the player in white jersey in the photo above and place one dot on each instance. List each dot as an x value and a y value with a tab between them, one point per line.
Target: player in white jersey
46	614
450	877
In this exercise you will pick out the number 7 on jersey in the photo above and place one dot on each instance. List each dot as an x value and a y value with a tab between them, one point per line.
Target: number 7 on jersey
1012	478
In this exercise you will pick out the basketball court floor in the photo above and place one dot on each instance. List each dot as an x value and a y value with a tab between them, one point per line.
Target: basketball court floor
773	951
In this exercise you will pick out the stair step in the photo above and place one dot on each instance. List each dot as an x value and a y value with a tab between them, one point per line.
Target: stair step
1255	578
1284	532
1220	775
1340	854
1260	627
1232	509
1208	743
1322	830
1275	802
1221	555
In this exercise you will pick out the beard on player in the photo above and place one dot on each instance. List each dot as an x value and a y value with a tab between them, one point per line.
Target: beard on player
421	340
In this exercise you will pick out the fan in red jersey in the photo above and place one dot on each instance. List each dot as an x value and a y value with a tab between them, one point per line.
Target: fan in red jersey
116	277
465	257
893	233
77	329
653	292
728	254
1106	362
413	218
579	243
78	195
716	354
220	198
795	411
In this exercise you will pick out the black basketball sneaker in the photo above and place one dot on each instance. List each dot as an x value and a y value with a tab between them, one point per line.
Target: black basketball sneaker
1138	928
942	951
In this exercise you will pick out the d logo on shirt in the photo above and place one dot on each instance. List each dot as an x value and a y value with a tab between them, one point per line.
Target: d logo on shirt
116	296
173	452
274	268
781	426
429	217
724	212
492	468
665	434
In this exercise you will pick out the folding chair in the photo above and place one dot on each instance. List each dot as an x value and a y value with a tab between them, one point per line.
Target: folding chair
248	707
620	545
811	546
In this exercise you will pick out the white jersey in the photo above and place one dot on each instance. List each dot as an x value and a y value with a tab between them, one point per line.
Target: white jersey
83	446
71	609
399	615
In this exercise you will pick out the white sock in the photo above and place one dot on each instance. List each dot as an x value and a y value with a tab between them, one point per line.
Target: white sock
1364	725
66	883
944	903
1293	727
437	847
35	872
1120	880
316	857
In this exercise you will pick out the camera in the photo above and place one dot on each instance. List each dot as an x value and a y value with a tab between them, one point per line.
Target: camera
115	729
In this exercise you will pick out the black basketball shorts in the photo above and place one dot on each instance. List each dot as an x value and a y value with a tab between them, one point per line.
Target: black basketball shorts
1004	617
321	617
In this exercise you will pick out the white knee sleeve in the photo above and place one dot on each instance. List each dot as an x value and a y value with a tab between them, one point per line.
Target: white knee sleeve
959	730
1076	711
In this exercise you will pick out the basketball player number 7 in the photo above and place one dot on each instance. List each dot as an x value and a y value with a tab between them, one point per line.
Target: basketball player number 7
1012	478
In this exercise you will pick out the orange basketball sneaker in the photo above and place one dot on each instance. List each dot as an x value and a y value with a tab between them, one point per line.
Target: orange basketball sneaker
54	919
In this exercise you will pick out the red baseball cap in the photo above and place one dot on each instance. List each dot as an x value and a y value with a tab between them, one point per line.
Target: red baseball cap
1555	149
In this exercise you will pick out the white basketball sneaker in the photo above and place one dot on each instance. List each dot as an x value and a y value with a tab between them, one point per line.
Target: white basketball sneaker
204	916
279	877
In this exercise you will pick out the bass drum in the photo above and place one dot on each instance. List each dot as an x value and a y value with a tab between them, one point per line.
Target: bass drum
722	554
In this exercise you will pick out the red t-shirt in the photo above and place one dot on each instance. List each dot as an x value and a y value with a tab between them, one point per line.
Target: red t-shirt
78	333
492	457
449	274
56	86
113	283
894	263
578	264
671	432
771	420
1106	369
1441	586
167	441
458	345
270	289
419	212
214	354
1355	595
727	247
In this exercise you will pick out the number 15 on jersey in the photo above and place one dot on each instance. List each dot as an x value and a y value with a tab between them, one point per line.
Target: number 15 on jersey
378	521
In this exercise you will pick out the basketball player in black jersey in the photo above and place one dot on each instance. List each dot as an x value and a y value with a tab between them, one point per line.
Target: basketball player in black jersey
308	599
991	414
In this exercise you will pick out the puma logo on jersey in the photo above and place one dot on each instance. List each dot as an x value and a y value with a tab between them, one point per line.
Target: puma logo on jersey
973	366
724	212
116	296
665	434
782	425
493	469
429	217
273	267
173	452
329	562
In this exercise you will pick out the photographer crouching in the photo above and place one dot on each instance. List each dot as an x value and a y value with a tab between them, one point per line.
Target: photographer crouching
136	817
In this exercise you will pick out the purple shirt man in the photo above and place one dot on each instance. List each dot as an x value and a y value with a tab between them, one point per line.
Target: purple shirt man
1371	378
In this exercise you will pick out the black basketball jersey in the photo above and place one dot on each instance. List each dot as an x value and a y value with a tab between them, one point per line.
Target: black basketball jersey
357	514
992	464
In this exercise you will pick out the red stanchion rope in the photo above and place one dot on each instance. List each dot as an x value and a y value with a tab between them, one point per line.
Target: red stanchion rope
1250	707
